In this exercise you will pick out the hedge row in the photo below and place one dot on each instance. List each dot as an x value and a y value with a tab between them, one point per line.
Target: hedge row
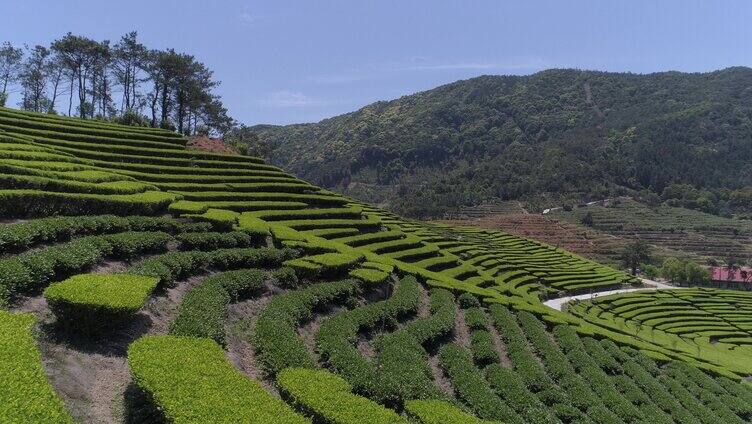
190	157
594	376
338	334
234	199
310	214
648	383
483	348
25	393
525	363
173	266
28	182
31	203
324	264
36	269
329	398
22	236
404	372
94	301
77	122
203	310
510	388
438	412
275	338
559	368
369	275
188	207
471	387
190	380
207	241
92	133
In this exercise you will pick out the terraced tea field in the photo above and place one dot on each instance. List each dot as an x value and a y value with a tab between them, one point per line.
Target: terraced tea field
143	282
571	237
700	235
696	318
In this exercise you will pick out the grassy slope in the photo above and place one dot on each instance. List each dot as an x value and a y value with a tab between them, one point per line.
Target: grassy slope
59	158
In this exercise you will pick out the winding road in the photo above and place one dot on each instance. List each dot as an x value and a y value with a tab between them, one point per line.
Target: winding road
559	303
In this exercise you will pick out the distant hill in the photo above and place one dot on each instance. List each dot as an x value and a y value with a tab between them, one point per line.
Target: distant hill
555	136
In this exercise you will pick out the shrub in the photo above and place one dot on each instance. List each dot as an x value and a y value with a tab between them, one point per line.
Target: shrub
482	346
35	269
214	240
329	398
370	276
190	380
32	203
475	318
285	277
221	220
325	264
404	372
25	394
275	337
472	388
335	338
468	300
203	310
438	412
508	386
94	301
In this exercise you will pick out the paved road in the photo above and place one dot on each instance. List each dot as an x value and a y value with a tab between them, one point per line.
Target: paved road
652	285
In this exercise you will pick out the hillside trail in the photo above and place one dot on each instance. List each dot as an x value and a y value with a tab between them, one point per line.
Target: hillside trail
559	303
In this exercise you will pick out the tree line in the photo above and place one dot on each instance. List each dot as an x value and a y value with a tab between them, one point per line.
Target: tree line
124	82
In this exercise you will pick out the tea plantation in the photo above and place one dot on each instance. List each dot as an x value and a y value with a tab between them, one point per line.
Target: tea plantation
144	282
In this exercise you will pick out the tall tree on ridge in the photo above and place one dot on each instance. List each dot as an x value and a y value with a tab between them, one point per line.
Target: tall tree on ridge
128	60
34	79
79	55
10	66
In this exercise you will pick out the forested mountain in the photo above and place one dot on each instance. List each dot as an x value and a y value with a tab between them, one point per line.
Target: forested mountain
555	136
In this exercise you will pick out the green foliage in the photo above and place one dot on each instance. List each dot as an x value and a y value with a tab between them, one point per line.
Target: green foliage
472	388
684	272
370	276
32	203
21	236
36	268
215	240
337	335
25	395
275	338
438	412
329	398
190	380
325	264
634	254
98	300
403	361
203	310
510	137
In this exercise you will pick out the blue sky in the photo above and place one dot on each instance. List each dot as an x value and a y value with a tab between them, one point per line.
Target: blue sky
302	61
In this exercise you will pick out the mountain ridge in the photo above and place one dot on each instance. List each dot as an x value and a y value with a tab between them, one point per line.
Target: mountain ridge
590	134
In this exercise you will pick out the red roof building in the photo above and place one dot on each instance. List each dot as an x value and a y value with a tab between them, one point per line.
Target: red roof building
720	274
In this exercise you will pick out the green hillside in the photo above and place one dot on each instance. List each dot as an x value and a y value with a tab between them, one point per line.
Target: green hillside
144	282
552	137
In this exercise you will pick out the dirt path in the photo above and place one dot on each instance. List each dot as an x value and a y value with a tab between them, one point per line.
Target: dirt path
438	375
461	333
241	320
501	348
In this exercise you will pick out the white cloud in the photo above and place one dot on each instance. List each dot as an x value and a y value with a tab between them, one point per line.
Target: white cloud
290	99
246	18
